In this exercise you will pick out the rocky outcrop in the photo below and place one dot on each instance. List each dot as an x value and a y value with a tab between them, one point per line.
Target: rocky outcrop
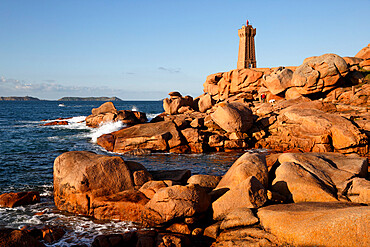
320	106
106	188
177	103
109	188
160	136
12	200
192	132
311	130
224	85
107	112
318	224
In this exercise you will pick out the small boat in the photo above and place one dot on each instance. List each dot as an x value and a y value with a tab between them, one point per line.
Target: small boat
62	105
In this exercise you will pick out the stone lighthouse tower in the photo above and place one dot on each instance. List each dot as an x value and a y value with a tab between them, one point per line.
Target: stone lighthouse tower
247	53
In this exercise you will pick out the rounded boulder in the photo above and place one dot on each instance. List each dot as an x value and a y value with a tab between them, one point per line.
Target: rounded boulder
233	117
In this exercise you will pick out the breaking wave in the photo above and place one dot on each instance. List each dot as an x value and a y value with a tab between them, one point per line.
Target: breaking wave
105	128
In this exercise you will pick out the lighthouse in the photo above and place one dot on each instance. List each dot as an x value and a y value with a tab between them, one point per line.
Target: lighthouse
247	52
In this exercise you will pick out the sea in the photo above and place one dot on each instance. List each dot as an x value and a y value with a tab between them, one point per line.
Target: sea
28	151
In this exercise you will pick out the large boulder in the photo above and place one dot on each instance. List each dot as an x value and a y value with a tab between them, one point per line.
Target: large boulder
223	85
319	74
205	102
299	185
318	224
11	200
364	53
179	201
233	117
159	136
194	139
250	193
81	176
247	165
316	176
278	81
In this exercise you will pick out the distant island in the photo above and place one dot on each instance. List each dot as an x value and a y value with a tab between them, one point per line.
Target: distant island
90	99
14	98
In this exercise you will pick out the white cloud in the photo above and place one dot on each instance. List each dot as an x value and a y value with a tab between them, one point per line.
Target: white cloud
53	90
170	70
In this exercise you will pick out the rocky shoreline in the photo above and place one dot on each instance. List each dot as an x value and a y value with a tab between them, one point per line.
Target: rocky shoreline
311	188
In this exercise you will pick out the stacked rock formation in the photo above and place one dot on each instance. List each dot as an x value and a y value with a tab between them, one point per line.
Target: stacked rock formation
241	208
319	106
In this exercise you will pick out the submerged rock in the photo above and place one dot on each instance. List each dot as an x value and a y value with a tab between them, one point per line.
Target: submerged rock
55	123
17	238
12	200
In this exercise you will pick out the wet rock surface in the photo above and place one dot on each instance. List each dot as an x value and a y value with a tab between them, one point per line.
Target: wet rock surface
16	199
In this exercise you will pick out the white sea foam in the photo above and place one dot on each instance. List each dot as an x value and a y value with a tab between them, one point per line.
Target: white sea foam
73	123
105	128
76	119
150	116
80	229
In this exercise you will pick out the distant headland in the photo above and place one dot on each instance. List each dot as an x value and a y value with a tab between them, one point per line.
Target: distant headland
89	99
13	98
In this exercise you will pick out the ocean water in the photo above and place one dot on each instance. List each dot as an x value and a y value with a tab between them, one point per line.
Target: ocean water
28	150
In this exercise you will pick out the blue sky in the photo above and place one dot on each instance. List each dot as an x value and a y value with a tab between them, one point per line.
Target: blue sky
145	49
